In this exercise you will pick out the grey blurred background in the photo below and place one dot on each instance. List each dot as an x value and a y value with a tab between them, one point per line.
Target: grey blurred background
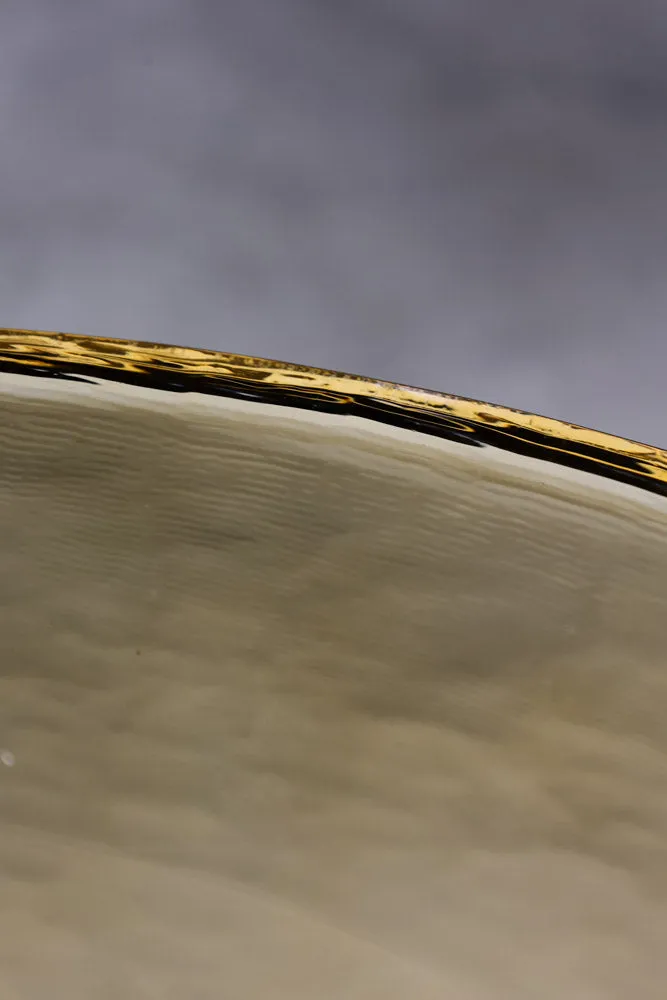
465	194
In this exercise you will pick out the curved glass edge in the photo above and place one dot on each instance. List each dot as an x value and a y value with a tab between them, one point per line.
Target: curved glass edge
179	369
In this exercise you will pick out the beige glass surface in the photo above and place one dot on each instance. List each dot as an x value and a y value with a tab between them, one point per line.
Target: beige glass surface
300	706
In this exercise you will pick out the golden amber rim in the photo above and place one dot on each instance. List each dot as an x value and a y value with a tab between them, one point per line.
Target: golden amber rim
469	421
